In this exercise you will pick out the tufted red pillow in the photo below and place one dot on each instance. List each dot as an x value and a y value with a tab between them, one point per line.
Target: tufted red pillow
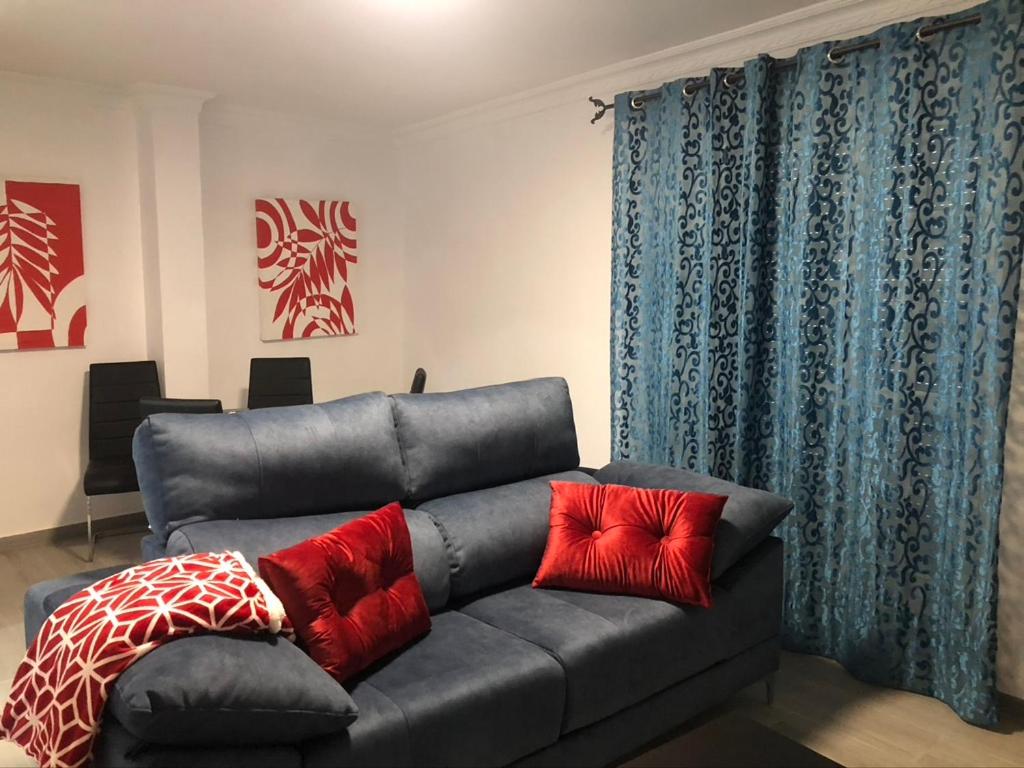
351	593
633	541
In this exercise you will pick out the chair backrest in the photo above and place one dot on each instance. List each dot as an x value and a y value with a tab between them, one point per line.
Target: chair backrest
114	393
275	381
419	382
150	405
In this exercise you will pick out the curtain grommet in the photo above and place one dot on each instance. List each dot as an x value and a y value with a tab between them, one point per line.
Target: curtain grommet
832	57
730	80
922	35
636	103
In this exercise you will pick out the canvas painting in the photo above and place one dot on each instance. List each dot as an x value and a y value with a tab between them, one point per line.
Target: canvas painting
42	267
305	250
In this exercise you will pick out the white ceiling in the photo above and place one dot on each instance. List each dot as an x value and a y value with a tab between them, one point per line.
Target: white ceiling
392	62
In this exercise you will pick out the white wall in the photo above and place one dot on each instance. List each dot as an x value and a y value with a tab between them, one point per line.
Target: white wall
56	132
507	259
171	212
246	155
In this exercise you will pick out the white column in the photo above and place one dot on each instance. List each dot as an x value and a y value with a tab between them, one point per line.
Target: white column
174	265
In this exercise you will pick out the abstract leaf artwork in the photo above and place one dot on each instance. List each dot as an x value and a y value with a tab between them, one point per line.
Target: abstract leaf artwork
304	252
42	270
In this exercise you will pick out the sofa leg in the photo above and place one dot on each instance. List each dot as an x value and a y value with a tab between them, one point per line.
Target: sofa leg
769	689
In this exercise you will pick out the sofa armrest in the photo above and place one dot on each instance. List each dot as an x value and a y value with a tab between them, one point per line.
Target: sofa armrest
750	515
44	598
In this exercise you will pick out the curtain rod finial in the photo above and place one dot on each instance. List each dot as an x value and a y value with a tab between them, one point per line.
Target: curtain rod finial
600	109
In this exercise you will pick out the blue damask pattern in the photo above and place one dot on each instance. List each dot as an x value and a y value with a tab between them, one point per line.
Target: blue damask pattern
815	284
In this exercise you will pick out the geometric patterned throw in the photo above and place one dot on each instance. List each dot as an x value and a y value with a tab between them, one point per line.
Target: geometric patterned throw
62	685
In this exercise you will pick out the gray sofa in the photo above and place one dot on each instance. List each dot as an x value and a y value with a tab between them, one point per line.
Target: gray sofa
508	674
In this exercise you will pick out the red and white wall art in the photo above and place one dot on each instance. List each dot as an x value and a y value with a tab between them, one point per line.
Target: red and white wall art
42	270
304	251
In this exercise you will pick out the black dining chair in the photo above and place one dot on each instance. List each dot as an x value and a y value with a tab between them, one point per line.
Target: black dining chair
419	382
150	405
275	381
114	393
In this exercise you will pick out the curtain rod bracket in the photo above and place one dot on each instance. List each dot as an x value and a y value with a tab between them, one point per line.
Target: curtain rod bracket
599	109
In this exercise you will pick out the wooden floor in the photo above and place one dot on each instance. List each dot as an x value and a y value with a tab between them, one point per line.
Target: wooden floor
819	705
816	702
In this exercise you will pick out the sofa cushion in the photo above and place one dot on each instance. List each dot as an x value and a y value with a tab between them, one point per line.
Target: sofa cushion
471	695
477	438
228	691
351	593
255	538
618	650
379	737
749	514
268	463
631	541
497	535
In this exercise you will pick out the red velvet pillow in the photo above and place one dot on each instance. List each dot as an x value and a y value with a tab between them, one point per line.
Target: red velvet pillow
632	541
351	593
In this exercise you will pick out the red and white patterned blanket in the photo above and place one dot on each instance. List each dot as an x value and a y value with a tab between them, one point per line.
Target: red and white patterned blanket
61	686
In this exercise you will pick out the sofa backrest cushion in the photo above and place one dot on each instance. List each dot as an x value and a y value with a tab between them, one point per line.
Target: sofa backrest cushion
268	463
478	438
497	535
258	538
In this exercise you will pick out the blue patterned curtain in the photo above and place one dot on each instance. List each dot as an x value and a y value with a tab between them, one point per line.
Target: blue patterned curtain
815	279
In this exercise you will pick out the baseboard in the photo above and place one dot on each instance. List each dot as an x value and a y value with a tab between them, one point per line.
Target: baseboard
75	532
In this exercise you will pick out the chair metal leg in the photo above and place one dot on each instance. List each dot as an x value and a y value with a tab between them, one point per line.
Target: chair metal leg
88	529
769	689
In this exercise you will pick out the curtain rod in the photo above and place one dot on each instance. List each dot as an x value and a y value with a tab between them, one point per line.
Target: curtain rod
834	56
